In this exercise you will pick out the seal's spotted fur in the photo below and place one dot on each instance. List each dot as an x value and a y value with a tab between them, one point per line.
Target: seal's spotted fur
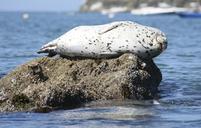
109	40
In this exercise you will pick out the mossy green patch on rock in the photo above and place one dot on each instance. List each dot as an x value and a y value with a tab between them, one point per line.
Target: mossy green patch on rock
45	84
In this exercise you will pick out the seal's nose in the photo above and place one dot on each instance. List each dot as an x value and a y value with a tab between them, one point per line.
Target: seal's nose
162	40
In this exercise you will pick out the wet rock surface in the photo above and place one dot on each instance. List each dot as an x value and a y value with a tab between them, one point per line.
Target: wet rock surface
47	84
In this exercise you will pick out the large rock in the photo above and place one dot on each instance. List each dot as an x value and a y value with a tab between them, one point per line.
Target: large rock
46	84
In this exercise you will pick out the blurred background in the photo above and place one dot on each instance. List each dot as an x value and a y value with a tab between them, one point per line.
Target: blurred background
25	25
40	5
110	6
129	5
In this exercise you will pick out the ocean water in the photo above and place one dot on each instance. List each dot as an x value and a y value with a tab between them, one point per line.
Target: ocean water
180	89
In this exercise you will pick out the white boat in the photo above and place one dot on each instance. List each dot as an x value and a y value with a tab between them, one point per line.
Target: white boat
114	10
157	10
25	16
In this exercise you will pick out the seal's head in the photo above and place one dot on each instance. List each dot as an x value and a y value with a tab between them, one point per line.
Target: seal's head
159	43
153	42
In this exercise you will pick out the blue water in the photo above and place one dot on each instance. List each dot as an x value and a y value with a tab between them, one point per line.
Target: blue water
180	89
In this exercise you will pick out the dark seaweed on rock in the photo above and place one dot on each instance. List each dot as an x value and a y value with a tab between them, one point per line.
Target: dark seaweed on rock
46	84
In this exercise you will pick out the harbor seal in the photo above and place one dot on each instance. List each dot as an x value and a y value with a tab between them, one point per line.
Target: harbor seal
109	40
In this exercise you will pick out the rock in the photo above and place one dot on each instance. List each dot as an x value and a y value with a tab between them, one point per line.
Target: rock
46	84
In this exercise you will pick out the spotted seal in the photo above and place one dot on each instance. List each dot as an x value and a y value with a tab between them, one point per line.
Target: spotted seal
109	40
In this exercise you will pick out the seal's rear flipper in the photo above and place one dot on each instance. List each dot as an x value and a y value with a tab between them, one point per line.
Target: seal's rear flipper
50	49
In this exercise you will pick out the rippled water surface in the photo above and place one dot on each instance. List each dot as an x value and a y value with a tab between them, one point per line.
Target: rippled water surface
180	90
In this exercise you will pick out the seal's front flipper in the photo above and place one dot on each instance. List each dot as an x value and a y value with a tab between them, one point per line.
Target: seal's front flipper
111	27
